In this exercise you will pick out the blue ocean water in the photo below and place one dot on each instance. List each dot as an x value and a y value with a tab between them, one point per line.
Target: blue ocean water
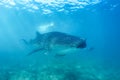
96	20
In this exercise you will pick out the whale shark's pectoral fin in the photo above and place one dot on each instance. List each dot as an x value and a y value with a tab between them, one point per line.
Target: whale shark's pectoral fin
34	51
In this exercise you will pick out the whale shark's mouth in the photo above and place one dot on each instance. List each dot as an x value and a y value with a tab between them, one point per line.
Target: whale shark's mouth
82	45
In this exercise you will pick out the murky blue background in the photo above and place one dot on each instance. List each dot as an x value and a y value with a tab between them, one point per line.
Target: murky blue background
99	23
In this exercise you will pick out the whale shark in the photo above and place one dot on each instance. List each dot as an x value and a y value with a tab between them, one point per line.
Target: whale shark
55	42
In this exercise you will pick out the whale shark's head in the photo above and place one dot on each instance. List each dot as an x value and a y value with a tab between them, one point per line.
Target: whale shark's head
81	44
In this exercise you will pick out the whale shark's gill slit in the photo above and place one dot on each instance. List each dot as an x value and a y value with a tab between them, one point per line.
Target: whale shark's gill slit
35	51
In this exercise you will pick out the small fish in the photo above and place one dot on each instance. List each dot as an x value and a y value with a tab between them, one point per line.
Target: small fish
91	49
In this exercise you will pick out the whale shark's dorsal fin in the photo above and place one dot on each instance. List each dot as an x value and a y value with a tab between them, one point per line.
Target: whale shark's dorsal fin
38	35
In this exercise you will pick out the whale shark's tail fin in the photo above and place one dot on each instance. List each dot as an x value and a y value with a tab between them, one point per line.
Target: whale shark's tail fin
38	36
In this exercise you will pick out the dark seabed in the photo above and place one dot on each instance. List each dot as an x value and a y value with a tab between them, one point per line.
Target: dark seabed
97	21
